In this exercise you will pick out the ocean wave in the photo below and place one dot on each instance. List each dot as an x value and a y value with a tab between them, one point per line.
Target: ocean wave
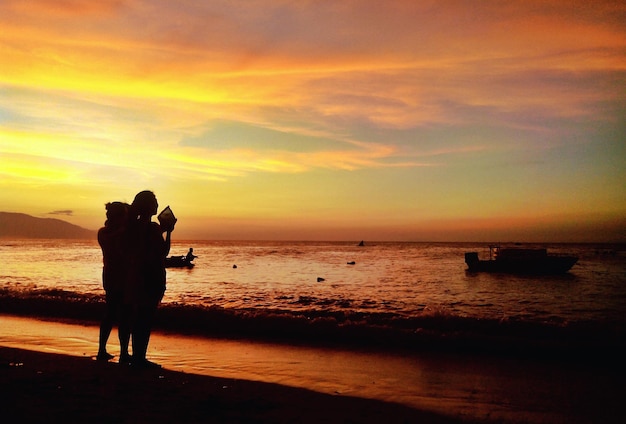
431	329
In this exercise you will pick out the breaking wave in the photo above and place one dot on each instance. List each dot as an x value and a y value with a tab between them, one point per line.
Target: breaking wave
430	330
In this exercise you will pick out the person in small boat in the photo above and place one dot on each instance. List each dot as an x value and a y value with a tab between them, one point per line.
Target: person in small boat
148	275
114	279
190	256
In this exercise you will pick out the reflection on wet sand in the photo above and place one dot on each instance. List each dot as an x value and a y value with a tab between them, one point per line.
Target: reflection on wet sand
481	387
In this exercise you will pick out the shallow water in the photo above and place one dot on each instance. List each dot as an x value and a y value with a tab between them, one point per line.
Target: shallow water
403	279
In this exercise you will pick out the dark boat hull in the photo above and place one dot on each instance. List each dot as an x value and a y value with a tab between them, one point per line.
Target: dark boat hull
538	266
178	262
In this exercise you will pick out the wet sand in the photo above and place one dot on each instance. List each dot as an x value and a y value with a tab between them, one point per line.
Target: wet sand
50	364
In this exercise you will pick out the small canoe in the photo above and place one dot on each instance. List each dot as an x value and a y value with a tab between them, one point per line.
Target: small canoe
178	262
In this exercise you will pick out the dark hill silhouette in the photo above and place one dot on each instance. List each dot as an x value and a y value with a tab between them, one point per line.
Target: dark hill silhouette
20	225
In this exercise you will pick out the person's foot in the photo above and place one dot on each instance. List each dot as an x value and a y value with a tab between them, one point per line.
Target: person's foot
125	359
104	356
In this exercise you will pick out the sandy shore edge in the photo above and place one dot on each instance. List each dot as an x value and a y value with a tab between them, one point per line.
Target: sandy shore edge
48	387
47	374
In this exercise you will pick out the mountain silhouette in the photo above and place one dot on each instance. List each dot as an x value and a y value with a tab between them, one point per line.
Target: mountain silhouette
20	225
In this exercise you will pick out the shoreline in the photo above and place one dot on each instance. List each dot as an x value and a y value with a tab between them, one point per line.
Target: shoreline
584	341
421	387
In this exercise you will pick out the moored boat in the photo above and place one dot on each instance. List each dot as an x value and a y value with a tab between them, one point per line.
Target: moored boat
516	260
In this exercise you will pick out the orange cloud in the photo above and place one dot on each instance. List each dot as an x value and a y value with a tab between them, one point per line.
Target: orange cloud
441	108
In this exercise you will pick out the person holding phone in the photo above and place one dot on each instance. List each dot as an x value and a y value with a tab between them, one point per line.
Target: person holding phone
148	276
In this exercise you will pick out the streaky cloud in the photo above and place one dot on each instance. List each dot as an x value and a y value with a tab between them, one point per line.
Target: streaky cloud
65	212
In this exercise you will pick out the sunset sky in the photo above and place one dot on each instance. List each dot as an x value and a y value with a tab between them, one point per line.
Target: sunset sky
320	120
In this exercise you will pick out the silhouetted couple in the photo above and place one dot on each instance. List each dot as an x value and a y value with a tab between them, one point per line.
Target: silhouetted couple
134	252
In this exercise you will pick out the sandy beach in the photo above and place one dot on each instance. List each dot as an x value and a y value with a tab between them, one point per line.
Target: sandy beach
50	365
46	387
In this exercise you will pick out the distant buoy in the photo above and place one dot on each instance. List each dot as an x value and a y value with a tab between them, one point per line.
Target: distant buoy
352	263
234	266
320	279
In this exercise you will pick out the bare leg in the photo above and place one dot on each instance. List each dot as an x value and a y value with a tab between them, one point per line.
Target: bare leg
105	332
124	334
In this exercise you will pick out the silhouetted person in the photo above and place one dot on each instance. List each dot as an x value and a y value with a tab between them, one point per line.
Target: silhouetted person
149	251
190	256
111	238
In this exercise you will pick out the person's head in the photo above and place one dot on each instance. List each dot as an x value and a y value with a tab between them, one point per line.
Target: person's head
145	203
117	213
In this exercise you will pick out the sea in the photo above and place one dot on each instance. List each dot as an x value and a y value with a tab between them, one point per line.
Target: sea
384	287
